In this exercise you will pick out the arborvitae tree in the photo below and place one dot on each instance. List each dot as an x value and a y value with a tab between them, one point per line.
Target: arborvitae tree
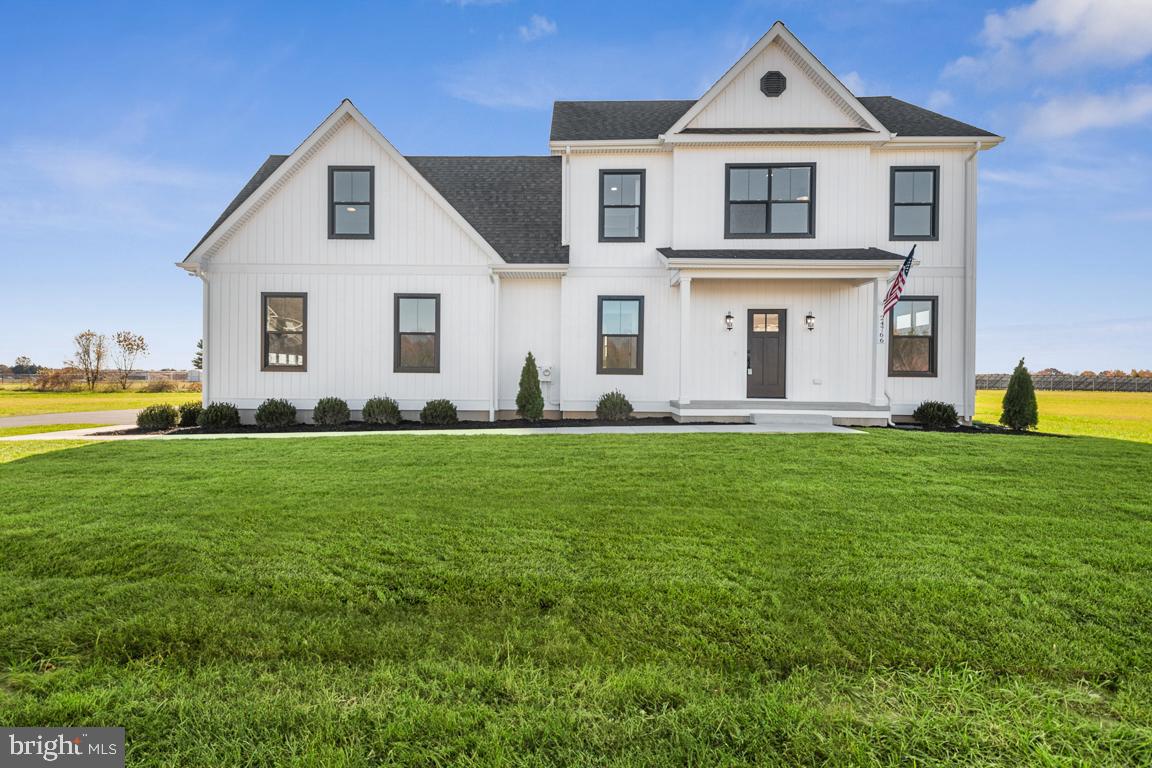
529	400
1020	411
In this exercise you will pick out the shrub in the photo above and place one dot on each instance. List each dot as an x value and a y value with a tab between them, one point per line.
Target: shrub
1019	406
613	406
381	410
331	412
934	414
529	400
159	385
157	418
190	413
439	412
55	379
219	417
275	413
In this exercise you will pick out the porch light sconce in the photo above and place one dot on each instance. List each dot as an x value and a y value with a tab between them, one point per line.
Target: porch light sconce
729	321
810	321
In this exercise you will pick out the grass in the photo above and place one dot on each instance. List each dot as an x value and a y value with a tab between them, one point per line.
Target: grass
885	599
1122	415
36	429
26	402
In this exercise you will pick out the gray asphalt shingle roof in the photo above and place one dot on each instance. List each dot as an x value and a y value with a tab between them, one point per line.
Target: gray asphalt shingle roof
617	120
513	202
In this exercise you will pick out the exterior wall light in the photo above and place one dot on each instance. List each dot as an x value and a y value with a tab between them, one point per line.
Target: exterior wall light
810	321
729	321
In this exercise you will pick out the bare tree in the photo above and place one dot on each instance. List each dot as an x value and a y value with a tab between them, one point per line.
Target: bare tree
129	346
91	348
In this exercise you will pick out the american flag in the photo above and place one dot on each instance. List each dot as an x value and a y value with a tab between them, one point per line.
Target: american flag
898	283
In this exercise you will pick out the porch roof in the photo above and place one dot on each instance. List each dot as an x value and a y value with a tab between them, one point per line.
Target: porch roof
780	254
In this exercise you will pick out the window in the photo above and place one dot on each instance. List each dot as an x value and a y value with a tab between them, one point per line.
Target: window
417	347
914	211
912	340
770	201
620	335
350	190
285	319
621	206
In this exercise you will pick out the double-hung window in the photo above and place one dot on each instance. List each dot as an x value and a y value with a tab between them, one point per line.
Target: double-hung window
417	343
350	192
915	211
620	335
621	206
770	201
284	318
912	340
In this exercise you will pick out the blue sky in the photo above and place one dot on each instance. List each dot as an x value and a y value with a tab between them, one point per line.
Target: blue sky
127	127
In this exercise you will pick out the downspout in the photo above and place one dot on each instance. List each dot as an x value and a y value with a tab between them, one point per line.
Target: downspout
970	281
494	404
205	308
565	224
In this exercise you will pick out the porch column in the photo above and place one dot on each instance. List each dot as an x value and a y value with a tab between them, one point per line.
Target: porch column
685	329
879	346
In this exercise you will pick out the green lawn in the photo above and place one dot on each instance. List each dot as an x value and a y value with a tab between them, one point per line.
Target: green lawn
41	428
1124	415
880	599
25	402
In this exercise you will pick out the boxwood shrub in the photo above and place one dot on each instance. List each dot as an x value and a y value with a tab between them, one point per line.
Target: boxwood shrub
219	417
190	413
381	410
157	418
331	412
275	413
439	412
933	414
613	406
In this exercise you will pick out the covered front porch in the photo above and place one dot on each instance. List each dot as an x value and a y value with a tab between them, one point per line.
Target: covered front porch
781	336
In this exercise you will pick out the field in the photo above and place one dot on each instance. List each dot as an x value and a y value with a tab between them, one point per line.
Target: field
1123	415
27	402
878	599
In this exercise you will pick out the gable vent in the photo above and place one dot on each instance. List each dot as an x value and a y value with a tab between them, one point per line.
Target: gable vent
773	84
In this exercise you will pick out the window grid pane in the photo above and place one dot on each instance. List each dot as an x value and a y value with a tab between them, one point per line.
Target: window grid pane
913	341
284	332
770	200
620	342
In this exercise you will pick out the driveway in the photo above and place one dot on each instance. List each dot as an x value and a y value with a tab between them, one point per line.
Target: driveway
73	417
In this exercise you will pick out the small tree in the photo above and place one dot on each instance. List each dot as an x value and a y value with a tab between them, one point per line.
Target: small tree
129	346
24	364
1020	412
198	358
529	400
91	349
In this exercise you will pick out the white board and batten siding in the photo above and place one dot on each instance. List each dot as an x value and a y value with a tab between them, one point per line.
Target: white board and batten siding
351	284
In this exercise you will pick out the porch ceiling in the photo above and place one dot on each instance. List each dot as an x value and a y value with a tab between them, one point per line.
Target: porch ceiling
855	264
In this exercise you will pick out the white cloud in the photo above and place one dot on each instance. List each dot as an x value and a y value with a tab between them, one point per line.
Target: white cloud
854	82
537	27
1069	115
940	99
1053	36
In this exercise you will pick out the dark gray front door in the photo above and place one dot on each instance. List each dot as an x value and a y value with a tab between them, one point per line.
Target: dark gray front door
766	341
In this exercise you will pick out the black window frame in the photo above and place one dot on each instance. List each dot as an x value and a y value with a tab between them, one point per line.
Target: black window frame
265	366
641	207
600	369
892	204
730	235
332	203
933	347
397	333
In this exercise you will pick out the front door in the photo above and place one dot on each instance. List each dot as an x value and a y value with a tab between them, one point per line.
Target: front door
766	342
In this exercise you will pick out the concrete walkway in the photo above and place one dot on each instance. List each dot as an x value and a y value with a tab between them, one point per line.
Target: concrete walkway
75	417
101	433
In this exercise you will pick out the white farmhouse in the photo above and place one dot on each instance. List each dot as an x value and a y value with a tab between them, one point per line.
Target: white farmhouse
722	258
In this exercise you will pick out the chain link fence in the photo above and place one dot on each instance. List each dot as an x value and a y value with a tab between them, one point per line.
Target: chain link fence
1070	382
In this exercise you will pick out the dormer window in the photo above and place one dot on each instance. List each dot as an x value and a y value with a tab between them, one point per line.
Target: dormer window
770	201
350	193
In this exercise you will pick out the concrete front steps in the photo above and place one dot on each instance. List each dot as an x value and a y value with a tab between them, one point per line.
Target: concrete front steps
791	419
782	413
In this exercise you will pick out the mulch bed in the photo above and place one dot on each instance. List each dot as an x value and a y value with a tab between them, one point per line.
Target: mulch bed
415	426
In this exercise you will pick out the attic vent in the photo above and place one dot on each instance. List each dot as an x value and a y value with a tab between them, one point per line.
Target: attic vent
773	84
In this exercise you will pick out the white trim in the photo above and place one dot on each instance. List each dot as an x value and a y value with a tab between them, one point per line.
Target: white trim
343	113
806	61
531	271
